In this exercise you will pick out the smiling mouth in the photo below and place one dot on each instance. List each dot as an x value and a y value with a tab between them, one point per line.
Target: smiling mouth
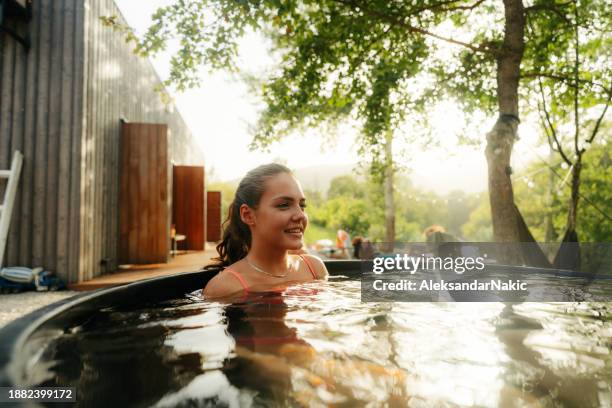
296	231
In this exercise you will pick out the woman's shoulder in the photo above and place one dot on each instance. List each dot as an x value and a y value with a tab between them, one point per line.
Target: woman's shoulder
317	264
223	284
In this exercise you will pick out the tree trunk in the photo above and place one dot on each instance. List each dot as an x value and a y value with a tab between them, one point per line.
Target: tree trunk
389	201
572	214
501	138
550	235
501	197
568	256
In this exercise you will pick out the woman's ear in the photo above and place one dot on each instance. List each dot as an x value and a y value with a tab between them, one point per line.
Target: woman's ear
246	215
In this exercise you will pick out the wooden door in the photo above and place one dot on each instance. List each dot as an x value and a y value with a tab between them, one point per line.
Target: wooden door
188	206
144	228
213	216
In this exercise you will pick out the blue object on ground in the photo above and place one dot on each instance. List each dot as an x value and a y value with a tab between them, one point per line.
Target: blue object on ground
16	279
46	280
20	274
6	286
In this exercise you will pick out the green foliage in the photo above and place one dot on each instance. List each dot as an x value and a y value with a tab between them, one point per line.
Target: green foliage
478	228
459	205
358	206
207	32
380	62
342	212
408	231
593	226
567	70
315	232
346	186
569	85
541	194
532	194
337	59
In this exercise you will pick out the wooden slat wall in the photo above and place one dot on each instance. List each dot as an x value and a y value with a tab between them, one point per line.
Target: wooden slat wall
213	216
143	197
41	93
119	85
61	103
188	206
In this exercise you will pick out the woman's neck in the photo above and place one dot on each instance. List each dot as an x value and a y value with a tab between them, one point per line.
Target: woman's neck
268	259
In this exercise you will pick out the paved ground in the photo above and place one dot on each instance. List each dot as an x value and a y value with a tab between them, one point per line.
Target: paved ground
13	306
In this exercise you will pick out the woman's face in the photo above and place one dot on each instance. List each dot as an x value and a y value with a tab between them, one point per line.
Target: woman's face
280	219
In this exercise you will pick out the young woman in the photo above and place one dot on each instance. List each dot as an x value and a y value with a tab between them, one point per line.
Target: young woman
266	222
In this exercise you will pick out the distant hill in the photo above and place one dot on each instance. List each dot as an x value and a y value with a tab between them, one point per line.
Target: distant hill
315	178
468	178
318	178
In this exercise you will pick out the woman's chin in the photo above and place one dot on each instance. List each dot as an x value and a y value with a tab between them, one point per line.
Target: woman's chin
297	246
293	240
294	244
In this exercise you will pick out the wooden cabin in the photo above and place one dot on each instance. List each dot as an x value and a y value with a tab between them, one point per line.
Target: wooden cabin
99	144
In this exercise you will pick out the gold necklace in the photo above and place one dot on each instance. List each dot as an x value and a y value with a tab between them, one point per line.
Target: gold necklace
258	269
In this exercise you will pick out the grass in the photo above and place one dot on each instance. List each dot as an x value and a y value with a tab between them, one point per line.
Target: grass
316	232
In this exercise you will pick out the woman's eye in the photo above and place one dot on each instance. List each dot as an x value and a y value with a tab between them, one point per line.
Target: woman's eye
287	205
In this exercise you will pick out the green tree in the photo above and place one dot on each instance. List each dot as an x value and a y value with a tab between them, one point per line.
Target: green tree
594	221
572	108
528	49
478	227
459	206
343	212
360	58
346	186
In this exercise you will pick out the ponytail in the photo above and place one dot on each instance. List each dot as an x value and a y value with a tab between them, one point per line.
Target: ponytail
236	238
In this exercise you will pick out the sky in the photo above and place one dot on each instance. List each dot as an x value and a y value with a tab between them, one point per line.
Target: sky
220	112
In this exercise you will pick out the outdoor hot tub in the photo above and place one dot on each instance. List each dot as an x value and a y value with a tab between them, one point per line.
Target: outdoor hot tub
157	343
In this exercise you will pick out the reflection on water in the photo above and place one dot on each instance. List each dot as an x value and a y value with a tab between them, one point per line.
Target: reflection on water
318	345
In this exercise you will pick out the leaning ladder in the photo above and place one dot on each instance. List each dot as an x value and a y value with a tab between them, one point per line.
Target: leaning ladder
6	206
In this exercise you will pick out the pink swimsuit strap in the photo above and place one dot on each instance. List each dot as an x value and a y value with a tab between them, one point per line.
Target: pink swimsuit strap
308	264
240	278
245	286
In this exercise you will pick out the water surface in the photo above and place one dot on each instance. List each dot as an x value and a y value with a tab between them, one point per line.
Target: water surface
318	345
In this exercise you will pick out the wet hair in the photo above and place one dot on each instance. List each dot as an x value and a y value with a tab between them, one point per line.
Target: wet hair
236	240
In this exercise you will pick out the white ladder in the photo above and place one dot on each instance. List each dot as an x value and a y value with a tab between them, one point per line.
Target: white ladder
6	206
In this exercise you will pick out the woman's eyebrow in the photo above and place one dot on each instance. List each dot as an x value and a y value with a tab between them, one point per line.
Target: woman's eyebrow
287	198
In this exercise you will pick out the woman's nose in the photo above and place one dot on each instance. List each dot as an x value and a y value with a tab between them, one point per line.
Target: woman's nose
299	214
